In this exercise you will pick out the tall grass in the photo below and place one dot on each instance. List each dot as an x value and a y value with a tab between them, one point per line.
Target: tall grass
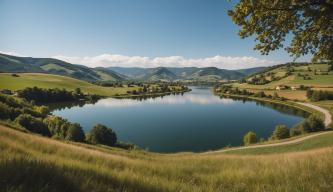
33	163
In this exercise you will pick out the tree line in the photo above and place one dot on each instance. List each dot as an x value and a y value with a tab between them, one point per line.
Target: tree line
311	124
319	95
41	95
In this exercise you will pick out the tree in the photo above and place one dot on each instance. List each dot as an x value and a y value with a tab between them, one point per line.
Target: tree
308	21
78	91
4	111
280	132
250	138
75	133
100	134
32	124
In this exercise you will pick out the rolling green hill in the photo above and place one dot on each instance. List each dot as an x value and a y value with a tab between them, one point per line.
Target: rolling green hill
8	81
159	74
13	64
312	75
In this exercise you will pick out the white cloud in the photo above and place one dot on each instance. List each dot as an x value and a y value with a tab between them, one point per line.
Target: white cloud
223	62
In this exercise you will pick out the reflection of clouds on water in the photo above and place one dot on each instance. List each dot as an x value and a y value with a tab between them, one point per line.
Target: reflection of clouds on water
171	100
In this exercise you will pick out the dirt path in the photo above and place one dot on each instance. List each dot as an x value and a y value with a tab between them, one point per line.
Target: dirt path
327	121
328	117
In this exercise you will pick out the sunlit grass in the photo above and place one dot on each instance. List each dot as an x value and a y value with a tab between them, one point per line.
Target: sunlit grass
32	162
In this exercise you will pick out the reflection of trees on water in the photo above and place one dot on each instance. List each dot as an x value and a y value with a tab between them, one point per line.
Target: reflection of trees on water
279	107
68	105
145	97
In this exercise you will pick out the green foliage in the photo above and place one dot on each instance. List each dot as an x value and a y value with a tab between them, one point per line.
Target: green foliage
250	138
280	132
47	95
319	95
307	21
75	133
311	124
32	124
62	129
4	111
100	134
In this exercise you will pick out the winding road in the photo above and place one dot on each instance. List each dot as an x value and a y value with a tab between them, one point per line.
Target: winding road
327	121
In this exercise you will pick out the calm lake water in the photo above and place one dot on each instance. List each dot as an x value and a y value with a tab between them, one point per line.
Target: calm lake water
195	121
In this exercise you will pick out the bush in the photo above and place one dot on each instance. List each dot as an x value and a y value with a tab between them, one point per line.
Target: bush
4	111
62	129
100	134
250	138
312	124
32	124
75	133
280	132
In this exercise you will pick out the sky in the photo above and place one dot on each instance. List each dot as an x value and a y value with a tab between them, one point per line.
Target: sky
128	33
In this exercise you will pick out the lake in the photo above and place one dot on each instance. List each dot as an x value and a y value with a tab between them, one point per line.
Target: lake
195	121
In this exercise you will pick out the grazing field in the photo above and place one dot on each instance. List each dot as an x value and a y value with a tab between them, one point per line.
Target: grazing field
7	81
40	164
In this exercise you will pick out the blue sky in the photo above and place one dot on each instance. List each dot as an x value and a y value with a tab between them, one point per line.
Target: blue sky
112	32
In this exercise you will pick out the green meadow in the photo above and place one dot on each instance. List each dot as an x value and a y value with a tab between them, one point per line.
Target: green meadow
7	81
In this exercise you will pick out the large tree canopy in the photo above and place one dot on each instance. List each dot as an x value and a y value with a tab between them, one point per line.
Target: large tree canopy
309	22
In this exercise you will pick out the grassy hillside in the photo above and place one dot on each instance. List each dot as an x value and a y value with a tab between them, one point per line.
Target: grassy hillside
7	81
33	163
315	76
13	64
320	141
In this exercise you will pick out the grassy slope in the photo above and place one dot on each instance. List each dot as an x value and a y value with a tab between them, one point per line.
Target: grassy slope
55	81
312	143
32	162
318	82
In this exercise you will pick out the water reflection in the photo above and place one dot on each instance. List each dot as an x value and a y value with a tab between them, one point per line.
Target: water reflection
278	107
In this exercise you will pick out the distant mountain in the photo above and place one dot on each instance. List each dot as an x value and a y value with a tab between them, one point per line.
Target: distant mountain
183	73
13	64
251	71
159	74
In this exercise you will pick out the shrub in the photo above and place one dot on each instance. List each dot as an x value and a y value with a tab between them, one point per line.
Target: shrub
32	124
4	111
250	138
43	110
75	133
100	134
280	132
312	124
